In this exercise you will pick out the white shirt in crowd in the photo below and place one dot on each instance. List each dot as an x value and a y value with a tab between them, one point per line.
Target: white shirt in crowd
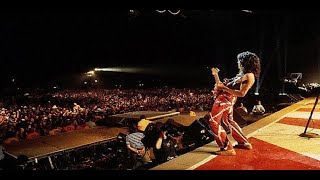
258	108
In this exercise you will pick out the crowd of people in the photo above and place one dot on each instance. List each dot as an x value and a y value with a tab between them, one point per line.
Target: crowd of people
37	115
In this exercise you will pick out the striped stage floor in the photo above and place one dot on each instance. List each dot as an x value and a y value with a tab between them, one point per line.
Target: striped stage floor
276	145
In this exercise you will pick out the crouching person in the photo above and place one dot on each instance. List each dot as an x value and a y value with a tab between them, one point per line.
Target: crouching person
137	150
165	147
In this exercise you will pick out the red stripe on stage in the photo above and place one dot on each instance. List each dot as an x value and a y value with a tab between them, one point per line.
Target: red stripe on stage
265	157
309	109
300	122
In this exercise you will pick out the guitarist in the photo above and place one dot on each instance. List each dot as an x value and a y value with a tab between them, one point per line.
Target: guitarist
226	95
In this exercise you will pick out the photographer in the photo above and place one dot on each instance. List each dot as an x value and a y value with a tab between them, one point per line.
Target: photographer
165	147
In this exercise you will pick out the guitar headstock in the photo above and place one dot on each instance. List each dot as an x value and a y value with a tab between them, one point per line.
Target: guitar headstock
215	70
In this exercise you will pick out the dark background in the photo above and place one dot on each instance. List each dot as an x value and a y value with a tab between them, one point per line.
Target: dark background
45	48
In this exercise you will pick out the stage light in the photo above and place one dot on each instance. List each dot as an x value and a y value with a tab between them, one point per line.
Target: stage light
133	12
161	11
248	11
174	13
90	73
127	70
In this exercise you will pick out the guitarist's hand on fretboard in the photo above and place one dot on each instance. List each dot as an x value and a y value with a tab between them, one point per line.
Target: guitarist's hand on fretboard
215	72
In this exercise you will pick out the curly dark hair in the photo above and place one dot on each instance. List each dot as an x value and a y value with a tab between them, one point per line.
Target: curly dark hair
250	63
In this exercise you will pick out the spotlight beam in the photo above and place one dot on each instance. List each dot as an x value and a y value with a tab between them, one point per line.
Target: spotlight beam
127	70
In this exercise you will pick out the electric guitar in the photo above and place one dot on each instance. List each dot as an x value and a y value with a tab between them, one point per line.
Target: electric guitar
215	72
226	82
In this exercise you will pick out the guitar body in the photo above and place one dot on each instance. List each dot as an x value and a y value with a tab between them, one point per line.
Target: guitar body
227	82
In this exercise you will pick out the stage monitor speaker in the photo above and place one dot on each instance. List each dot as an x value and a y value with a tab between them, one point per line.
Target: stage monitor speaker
175	126
199	132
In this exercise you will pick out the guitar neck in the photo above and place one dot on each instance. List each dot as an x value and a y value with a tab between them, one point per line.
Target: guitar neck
216	78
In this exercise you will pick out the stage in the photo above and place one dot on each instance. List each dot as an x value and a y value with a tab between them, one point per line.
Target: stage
47	145
123	120
276	145
150	115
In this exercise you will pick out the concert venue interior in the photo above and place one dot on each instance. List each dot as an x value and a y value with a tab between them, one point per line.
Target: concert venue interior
75	84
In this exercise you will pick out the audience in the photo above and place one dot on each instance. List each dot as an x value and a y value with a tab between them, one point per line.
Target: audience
69	110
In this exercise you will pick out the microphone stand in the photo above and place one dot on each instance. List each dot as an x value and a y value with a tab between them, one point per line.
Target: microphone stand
311	135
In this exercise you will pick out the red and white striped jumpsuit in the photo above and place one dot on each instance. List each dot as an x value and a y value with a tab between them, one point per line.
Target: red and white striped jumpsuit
222	110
